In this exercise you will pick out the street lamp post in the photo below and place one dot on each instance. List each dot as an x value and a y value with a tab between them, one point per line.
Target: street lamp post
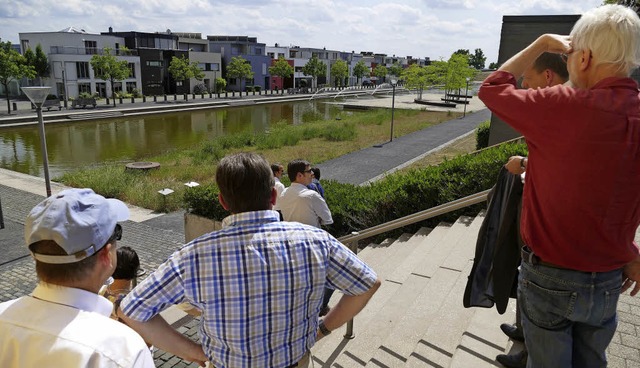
37	96
466	94
393	104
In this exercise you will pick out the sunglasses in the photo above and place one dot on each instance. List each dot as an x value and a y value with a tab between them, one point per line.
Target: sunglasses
117	233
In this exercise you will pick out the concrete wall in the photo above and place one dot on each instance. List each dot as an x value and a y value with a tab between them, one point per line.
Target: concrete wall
517	33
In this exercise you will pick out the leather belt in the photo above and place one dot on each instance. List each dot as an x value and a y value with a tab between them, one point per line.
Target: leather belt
529	257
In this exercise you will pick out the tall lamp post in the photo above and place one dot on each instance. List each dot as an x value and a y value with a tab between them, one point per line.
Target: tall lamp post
393	104
37	96
466	95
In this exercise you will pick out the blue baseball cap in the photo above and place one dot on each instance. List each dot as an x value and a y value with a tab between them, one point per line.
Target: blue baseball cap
78	220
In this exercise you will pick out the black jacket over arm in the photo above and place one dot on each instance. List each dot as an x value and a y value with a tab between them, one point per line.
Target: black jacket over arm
495	267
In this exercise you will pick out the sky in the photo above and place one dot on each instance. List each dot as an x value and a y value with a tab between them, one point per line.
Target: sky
418	28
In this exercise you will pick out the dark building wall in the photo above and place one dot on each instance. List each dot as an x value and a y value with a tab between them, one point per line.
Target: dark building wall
517	33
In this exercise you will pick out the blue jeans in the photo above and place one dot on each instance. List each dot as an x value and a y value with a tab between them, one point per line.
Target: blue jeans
568	317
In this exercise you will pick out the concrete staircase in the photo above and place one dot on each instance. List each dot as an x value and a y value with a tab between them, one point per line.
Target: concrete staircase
416	319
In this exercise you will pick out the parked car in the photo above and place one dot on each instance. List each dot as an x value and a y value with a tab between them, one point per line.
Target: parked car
367	83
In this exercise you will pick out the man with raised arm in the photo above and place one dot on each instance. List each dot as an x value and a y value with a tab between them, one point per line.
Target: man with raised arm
546	71
581	203
259	281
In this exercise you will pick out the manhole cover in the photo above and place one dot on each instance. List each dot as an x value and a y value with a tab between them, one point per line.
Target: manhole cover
142	165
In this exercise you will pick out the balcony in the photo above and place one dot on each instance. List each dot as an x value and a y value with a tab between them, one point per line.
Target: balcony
71	50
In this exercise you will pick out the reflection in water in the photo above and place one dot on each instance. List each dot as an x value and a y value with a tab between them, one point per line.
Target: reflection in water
73	145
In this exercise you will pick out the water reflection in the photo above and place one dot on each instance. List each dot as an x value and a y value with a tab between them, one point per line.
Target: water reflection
73	145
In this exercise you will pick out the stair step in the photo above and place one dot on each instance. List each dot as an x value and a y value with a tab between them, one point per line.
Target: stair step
427	307
483	339
417	257
439	343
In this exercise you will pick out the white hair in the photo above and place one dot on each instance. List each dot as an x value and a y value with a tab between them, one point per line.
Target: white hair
612	33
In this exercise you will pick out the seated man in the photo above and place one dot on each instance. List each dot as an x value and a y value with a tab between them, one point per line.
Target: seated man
65	323
258	281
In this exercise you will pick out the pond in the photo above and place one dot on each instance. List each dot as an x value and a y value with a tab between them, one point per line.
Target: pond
94	142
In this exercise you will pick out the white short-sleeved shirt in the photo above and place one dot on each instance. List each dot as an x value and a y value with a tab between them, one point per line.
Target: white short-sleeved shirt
279	188
301	204
58	326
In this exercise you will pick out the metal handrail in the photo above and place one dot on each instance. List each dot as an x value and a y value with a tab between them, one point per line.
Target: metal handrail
352	240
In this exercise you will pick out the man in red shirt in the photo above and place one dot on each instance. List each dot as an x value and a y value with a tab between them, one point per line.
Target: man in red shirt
581	203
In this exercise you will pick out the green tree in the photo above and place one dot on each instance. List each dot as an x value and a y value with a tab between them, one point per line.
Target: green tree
239	68
221	84
493	65
314	68
340	71
281	68
457	73
415	77
30	58
181	69
41	64
396	69
109	68
380	71
13	66
477	60
360	70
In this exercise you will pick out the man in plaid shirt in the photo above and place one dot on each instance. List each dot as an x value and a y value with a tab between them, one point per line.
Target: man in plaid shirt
259	281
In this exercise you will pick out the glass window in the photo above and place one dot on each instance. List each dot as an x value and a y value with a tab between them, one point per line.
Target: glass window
101	89
84	88
90	47
132	70
82	70
156	63
131	86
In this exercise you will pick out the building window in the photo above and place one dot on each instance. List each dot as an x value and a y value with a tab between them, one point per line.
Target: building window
234	50
155	63
84	88
82	70
101	89
117	87
90	47
132	70
131	86
271	55
258	51
25	45
215	67
232	81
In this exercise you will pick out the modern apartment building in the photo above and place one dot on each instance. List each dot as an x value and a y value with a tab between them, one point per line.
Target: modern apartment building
69	52
249	49
198	51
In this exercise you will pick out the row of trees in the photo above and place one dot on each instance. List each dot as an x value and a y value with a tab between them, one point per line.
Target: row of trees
108	67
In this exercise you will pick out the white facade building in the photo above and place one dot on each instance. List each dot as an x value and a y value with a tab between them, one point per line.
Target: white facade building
69	52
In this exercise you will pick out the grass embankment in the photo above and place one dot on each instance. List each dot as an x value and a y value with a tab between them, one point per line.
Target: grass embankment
315	141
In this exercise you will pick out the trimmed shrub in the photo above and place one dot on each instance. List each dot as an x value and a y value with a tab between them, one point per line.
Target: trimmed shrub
482	135
356	208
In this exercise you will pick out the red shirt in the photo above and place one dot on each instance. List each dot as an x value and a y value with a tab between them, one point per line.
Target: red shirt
581	202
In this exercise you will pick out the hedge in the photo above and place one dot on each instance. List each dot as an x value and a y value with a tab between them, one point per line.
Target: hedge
482	135
356	208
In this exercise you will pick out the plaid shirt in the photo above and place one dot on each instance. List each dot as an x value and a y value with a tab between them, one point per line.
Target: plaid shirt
259	283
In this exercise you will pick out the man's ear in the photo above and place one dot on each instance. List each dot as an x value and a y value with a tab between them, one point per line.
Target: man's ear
222	202
585	59
104	254
548	76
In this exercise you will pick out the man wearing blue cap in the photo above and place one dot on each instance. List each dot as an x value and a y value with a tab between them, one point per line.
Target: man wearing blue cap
64	322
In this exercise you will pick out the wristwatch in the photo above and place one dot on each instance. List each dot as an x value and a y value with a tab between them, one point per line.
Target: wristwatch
325	331
522	166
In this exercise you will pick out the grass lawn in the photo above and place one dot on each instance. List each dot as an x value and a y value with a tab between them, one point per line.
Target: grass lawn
316	142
